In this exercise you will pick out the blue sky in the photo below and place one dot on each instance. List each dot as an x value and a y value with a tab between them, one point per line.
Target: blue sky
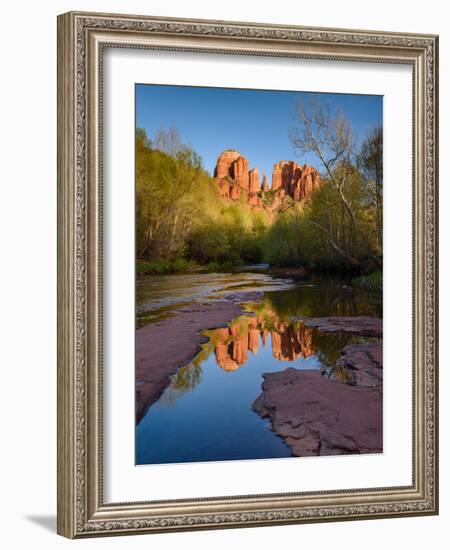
255	122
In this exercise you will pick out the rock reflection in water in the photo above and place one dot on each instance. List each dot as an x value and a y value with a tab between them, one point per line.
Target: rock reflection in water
231	345
205	413
287	342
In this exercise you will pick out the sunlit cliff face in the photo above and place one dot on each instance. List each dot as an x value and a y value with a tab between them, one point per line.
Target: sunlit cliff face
289	179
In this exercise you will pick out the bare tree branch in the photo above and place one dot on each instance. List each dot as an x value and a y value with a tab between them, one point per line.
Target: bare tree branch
329	138
350	259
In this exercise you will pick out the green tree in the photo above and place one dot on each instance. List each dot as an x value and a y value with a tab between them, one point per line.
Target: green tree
318	234
370	163
142	139
168	141
170	200
329	137
334	238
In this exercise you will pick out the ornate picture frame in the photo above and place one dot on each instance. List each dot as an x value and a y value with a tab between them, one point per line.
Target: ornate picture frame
82	39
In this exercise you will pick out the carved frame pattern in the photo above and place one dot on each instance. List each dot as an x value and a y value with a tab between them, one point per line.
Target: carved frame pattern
81	37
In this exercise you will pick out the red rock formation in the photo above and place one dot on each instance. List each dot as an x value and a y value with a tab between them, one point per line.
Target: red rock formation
276	177
297	181
289	179
232	175
255	186
240	173
224	163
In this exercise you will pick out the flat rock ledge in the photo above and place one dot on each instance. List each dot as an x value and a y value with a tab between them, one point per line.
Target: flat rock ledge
316	415
164	347
359	326
364	363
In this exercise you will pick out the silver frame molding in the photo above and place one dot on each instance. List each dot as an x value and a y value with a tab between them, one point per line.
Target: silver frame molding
81	39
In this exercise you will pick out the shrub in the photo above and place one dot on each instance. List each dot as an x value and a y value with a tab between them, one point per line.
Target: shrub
372	283
162	266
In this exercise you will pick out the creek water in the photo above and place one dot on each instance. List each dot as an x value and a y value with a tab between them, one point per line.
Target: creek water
205	413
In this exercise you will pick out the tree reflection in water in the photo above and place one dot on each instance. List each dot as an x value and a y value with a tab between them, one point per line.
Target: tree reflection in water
186	378
270	321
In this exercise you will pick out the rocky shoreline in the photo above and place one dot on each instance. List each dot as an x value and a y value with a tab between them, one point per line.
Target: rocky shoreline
360	326
313	413
164	347
316	415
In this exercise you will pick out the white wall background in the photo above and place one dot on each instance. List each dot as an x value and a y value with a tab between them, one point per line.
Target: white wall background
28	271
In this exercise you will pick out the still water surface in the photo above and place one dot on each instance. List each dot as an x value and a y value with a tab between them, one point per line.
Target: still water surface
205	413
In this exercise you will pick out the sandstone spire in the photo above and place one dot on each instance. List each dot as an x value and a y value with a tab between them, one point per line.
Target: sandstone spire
298	182
289	179
255	186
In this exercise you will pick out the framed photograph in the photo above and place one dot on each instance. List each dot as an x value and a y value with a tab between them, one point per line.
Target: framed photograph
247	287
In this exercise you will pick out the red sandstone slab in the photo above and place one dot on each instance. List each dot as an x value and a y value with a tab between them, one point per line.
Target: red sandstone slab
319	416
362	326
164	347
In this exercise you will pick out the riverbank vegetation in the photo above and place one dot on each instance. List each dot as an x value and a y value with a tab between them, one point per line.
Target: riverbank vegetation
372	283
182	223
180	216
